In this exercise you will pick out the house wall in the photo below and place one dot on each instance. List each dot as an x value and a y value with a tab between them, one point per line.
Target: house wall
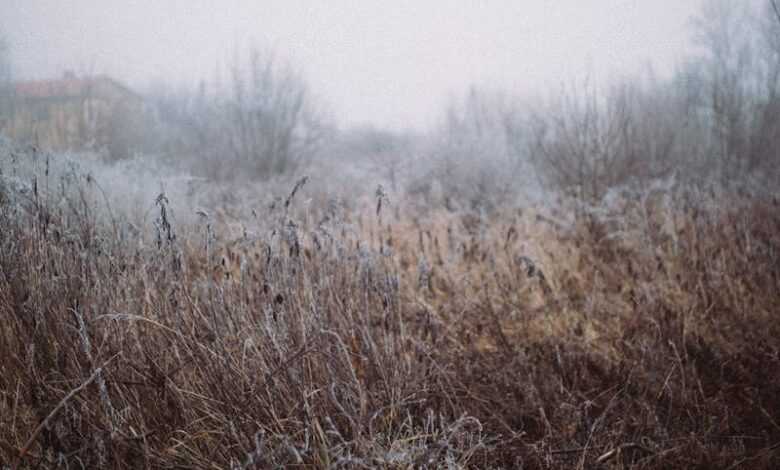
72	123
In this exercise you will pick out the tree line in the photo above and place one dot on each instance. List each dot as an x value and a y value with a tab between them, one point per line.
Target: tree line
717	116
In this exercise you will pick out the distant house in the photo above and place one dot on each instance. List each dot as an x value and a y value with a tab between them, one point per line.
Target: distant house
74	113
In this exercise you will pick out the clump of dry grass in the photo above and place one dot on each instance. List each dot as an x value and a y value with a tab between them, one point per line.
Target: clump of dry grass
637	336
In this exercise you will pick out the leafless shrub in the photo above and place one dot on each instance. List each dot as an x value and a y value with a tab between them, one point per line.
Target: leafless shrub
263	123
477	161
586	142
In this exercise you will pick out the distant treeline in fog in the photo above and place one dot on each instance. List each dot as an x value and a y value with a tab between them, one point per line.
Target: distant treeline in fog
717	116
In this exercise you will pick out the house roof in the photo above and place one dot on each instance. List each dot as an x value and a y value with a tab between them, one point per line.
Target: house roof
69	86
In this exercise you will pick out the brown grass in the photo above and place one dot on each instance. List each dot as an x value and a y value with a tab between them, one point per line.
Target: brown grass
642	337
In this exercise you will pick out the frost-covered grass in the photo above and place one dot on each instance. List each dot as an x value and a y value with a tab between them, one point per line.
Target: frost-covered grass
150	320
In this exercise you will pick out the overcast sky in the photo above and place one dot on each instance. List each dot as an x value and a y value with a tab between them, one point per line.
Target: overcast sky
389	63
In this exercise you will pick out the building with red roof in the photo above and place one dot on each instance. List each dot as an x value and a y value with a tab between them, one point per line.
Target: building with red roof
71	114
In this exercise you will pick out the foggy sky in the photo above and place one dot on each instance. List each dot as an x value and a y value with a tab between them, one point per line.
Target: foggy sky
389	63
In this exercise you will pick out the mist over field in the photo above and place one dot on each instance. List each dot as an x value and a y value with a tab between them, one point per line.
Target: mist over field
373	63
365	234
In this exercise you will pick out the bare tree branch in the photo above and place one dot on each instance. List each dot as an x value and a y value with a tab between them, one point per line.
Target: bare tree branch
774	7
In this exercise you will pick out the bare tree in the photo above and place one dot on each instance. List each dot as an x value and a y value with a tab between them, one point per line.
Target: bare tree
775	8
579	139
262	123
588	140
765	135
270	121
187	127
740	67
381	152
6	88
476	157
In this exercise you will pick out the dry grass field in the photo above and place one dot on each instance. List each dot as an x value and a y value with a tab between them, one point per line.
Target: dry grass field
639	334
